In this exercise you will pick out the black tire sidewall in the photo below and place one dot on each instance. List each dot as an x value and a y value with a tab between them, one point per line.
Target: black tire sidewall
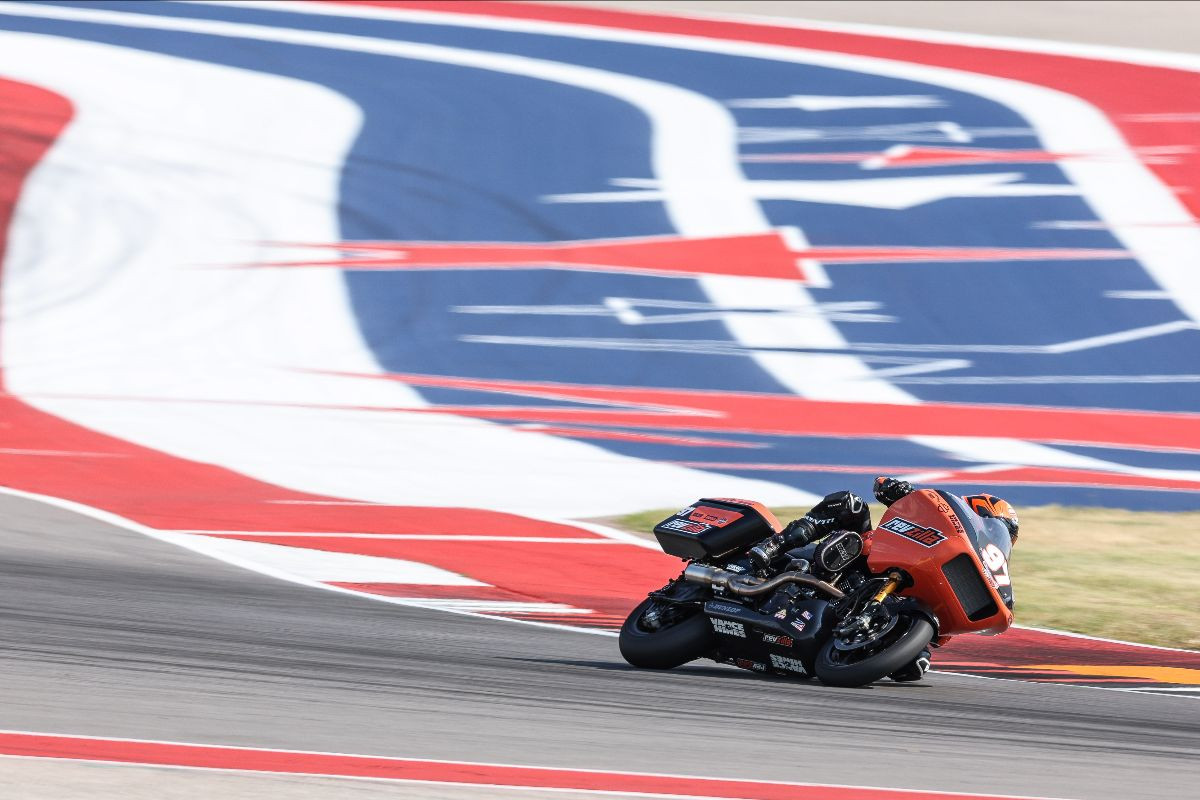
666	648
870	669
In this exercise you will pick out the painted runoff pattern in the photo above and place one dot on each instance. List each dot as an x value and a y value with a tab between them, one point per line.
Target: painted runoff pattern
385	299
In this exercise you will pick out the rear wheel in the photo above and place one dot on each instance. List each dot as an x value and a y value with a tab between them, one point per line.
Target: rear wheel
656	636
867	663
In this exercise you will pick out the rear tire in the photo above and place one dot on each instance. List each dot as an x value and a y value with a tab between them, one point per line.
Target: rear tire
834	670
665	648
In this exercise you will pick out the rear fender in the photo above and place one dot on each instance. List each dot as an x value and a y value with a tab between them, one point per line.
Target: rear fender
681	591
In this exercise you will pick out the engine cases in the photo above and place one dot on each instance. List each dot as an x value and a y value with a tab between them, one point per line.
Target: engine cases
785	643
713	527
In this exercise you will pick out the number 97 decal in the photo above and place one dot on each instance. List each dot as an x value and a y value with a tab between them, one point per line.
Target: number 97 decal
994	558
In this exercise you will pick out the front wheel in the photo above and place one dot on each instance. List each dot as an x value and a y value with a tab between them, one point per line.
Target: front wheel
861	666
676	642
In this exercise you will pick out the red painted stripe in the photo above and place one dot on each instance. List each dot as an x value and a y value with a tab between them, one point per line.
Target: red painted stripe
125	751
1021	647
1017	476
739	412
686	257
912	156
764	255
637	436
419	591
610	580
1047	476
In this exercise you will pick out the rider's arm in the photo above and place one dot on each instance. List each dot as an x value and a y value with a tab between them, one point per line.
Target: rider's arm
840	511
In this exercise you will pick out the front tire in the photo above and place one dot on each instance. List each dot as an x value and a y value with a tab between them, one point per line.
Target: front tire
845	668
665	648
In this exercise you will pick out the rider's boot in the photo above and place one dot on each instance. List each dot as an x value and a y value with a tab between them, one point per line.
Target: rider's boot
915	670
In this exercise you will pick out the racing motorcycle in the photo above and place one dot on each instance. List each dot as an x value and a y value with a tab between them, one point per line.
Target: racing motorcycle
846	607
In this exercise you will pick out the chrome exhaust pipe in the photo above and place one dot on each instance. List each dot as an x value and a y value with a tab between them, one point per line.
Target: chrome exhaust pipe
749	586
709	576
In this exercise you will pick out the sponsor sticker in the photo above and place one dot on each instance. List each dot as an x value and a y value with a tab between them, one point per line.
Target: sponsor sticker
926	537
798	625
775	638
715	517
724	609
746	663
790	664
806	614
685	526
728	627
781	614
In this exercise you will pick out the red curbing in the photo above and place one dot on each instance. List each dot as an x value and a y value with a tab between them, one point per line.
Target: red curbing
294	762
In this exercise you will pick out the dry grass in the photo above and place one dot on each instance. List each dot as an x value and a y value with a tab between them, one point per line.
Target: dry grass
1132	575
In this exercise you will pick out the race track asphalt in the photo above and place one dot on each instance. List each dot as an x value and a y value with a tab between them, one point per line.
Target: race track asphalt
109	633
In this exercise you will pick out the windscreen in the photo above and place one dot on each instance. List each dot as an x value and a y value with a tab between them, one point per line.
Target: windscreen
991	540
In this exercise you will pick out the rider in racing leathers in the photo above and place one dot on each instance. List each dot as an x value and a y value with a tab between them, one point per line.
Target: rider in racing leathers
846	511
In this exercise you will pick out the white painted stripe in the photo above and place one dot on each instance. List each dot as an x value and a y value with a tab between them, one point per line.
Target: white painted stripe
1073	635
1014	380
722	347
20	451
321	565
811	102
885	193
417	537
1138	294
498	606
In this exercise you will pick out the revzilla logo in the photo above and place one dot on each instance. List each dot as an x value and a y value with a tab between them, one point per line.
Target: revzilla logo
926	537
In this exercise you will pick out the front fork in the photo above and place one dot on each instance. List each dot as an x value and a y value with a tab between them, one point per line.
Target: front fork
894	581
873	614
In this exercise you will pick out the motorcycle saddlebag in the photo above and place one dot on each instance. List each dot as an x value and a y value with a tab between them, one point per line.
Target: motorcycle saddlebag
712	527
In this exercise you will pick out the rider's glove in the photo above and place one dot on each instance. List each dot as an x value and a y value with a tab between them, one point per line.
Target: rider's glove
889	490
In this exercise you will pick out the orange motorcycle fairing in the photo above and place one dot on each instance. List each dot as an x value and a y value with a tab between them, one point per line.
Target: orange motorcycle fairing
930	536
